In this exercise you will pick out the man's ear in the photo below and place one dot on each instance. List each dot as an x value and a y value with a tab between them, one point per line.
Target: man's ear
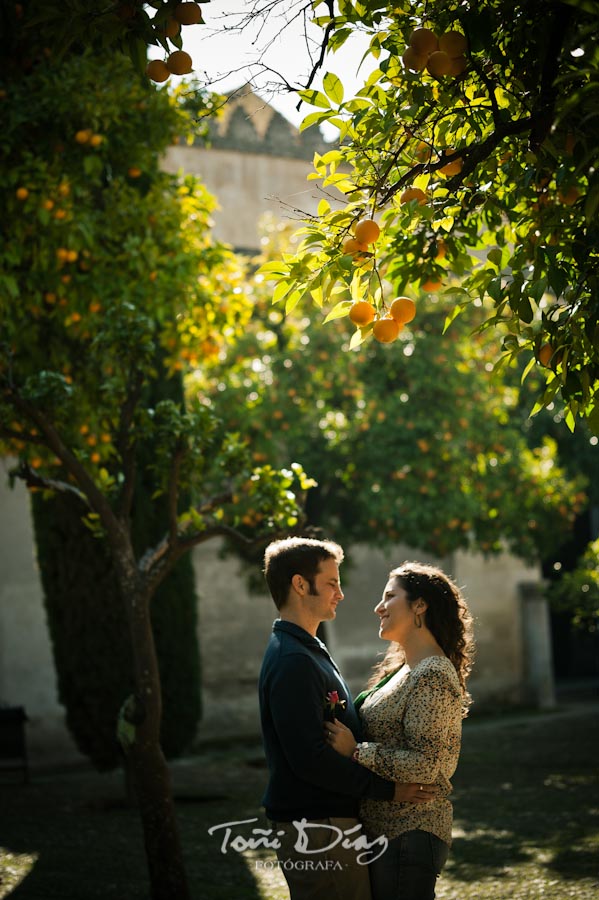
298	585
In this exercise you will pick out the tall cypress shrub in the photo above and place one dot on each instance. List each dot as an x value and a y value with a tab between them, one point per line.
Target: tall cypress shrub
88	630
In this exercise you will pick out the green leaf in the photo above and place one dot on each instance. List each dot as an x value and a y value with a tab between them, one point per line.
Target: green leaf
357	338
281	289
528	368
338	311
292	301
315	98
591	204
333	87
314	119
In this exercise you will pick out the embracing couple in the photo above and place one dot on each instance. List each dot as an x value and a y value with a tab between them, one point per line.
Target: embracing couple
388	756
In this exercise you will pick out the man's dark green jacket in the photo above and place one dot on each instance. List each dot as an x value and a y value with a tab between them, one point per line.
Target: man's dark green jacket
307	777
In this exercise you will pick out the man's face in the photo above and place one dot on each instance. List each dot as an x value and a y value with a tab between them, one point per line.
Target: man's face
328	593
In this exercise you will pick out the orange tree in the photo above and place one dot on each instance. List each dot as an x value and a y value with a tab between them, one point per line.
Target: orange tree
415	443
473	144
109	281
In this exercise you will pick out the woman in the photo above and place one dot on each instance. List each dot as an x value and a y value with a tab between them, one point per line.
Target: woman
412	715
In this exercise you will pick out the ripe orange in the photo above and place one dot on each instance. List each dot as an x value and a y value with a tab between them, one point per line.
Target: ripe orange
431	284
439	64
570	195
403	310
351	245
170	28
441	251
413	193
413	60
133	172
545	354
83	135
454	43
361	313
452	167
179	62
188	14
424	41
423	151
367	231
459	64
96	139
386	330
22	193
157	71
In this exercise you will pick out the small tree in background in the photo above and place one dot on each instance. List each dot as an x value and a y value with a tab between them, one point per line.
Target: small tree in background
416	444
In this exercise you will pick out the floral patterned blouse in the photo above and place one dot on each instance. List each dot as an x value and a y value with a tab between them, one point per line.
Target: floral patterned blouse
413	728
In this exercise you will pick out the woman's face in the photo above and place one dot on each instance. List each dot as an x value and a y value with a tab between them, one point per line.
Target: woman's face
396	615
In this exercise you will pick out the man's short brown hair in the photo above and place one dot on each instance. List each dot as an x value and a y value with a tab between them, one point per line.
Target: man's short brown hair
296	556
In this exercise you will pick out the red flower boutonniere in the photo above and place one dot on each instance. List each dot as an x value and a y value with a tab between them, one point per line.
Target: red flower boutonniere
331	704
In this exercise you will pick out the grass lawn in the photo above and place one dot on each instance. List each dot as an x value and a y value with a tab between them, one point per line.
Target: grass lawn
526	821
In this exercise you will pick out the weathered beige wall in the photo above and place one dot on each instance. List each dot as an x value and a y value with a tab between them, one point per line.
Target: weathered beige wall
235	627
248	185
27	676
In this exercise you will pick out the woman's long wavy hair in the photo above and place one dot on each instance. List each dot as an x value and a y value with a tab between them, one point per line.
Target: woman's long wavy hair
447	617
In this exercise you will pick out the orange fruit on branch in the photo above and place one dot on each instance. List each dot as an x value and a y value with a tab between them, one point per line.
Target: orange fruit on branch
351	246
454	166
431	284
570	195
361	313
459	64
441	249
413	60
386	330
157	71
424	41
413	193
454	43
179	63
83	135
170	28
367	231
439	64
545	354
188	14
403	310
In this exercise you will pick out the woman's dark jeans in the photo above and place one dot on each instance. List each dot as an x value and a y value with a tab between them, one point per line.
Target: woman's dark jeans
409	867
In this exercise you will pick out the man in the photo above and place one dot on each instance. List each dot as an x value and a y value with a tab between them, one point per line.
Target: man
313	793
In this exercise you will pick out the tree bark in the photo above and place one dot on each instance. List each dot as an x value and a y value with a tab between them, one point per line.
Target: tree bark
148	766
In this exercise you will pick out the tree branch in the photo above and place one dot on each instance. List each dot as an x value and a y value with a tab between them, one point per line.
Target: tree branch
323	48
33	479
127	447
95	498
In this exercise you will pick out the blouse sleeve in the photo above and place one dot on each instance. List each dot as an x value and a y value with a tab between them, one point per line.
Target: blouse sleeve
432	708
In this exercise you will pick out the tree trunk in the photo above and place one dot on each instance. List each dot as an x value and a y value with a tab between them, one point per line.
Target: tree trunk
147	764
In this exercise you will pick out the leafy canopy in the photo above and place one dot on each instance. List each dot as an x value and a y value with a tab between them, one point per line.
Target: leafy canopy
503	152
109	280
419	445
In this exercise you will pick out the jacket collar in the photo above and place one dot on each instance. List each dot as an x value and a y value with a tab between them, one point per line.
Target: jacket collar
282	625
